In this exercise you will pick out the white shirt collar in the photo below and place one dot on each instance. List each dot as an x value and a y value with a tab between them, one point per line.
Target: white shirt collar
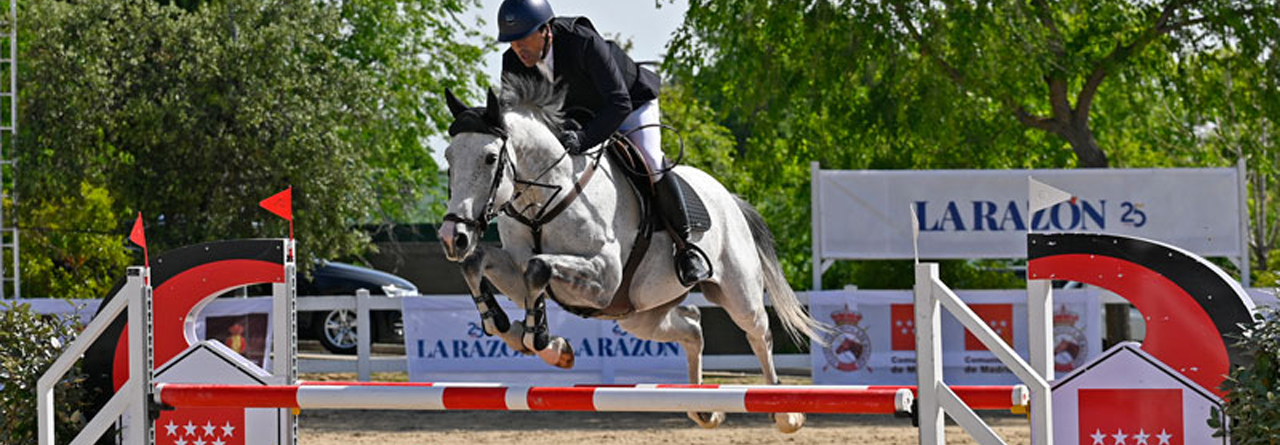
547	66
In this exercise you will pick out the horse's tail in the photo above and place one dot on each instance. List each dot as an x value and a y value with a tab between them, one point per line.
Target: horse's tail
794	318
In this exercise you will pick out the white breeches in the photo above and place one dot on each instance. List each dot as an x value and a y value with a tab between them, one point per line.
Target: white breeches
649	139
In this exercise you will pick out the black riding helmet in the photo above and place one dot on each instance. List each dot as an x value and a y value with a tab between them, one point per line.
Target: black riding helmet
519	18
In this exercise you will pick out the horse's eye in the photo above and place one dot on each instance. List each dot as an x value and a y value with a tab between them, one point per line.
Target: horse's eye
490	158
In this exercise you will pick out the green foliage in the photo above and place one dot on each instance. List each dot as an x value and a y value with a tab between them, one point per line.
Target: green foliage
1238	106
707	145
29	344
918	85
72	247
1254	403
192	116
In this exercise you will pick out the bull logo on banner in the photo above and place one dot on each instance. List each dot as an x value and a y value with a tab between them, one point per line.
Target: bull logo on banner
849	347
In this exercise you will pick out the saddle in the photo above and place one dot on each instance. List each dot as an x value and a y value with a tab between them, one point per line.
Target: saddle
626	155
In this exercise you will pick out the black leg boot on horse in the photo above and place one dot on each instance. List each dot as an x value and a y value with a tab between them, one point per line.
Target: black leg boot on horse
691	263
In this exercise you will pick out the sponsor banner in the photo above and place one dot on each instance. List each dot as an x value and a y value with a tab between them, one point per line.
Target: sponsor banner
875	339
82	309
984	213
444	341
1263	296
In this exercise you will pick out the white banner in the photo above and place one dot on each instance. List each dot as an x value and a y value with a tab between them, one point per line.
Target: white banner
445	342
875	344
983	213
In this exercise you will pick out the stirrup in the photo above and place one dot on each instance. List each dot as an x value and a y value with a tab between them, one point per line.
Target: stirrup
688	261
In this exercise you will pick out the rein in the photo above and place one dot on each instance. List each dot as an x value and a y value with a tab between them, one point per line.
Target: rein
546	215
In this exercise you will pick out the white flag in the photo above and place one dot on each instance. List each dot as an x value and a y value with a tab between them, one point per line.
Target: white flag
1044	195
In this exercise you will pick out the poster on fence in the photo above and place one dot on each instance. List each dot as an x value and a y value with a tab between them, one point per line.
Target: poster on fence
875	342
242	324
444	342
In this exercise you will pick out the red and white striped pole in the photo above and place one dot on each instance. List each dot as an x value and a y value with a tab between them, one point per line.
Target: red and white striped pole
739	399
978	397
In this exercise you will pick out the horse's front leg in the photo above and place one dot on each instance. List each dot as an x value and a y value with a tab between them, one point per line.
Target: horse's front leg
490	268
584	283
492	317
486	269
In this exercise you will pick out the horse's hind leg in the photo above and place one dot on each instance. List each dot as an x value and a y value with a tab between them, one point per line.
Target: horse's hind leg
748	312
679	324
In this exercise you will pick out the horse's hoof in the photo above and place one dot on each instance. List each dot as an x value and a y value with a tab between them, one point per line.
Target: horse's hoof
559	354
707	420
788	422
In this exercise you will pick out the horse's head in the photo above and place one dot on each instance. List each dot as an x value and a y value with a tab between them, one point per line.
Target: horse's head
490	149
478	159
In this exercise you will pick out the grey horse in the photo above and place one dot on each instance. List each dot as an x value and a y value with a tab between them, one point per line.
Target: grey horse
496	155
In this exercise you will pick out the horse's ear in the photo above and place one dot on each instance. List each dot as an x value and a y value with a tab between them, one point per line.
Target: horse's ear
455	106
493	109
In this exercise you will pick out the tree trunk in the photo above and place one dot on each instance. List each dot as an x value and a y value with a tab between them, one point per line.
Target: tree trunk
1086	147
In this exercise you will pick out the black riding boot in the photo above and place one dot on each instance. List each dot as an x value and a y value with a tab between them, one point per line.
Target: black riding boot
691	267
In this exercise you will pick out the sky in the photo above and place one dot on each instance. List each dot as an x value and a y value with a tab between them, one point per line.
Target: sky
648	27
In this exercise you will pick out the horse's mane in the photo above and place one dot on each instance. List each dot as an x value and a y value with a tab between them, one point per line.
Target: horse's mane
542	100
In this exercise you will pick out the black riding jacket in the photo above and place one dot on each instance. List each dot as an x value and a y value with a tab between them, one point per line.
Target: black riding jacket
597	75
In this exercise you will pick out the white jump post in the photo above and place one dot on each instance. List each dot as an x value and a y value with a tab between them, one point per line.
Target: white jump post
284	338
936	398
132	399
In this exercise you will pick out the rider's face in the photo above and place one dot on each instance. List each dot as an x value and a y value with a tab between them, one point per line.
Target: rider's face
530	48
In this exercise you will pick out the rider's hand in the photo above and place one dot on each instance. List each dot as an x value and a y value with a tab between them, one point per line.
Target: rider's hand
572	141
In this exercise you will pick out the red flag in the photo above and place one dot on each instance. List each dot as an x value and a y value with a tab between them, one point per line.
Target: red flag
280	204
999	317
903	321
138	235
1130	416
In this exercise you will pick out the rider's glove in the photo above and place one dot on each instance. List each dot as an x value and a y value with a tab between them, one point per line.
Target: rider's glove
572	141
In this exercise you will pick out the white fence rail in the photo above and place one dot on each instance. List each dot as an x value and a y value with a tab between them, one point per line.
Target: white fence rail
364	363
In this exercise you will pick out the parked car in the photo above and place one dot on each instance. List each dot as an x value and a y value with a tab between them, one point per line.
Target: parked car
336	329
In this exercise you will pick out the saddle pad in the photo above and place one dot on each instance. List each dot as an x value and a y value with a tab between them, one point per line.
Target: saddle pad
699	219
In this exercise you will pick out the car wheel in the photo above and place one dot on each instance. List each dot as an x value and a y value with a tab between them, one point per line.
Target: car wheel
336	331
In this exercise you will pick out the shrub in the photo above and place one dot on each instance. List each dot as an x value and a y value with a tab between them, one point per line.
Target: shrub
29	344
1253	402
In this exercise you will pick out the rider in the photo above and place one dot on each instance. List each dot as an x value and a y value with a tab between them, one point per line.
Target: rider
600	77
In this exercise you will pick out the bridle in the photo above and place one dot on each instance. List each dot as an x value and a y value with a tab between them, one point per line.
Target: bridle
504	162
545	214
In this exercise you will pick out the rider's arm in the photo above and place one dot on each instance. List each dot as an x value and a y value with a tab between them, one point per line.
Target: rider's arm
599	64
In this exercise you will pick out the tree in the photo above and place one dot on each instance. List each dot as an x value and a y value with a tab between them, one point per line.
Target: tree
1238	106
74	254
903	84
193	116
1014	53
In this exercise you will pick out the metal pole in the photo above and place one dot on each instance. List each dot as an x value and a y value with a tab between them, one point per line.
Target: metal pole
139	427
815	207
284	338
1242	180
